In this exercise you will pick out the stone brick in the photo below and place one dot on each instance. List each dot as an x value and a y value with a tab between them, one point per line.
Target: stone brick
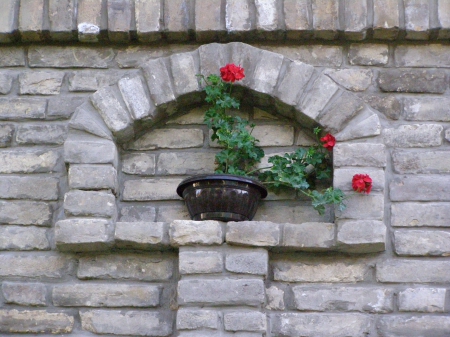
297	19
35	321
359	154
92	177
413	80
176	211
31	20
314	55
237	16
119	20
178	19
136	213
422	299
194	319
363	207
22	160
420	271
150	189
24	293
414	214
223	291
275	298
274	135
362	299
189	163
92	80
184	70
62	19
266	17
389	105
184	233
245	321
420	188
430	55
83	235
35	266
325	19
90	203
87	149
363	236
120	322
351	79
323	269
298	72
414	135
386	19
213	56
159	81
247	261
141	235
169	139
51	134
63	107
317	97
25	213
69	57
356	24
135	97
89	20
314	324
368	54
427	162
11	56
366	125
22	108
426	109
86	118
209	27
6	82
253	233
148	16
6	134
267	71
413	326
309	235
342	177
8	21
444	19
422	243
148	267
35	188
106	295
195	261
417	20
23	238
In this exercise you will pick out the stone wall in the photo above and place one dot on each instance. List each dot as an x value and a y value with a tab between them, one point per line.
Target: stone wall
100	118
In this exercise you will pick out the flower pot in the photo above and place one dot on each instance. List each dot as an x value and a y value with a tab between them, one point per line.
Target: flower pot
221	197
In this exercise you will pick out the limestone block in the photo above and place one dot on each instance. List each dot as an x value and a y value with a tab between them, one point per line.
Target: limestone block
141	235
444	19
195	319
426	109
151	189
89	20
106	295
24	160
132	213
413	326
25	213
325	19
139	163
356	24
420	188
247	261
195	261
176	211
275	298
135	97
314	55
428	162
253	233
35	321
93	177
29	187
92	80
24	293
86	118
419	271
389	105
62	19
6	134
188	163
237	16
87	149
422	299
213	56
422	243
31	20
148	15
245	321
209	23
178	19
22	108
245	55
414	135
361	236
359	154
413	80
321	298
8	20
309	235
159	81
352	79
386	19
185	233
367	124
49	134
274	135
266	15
23	238
46	266
415	214
131	267
363	207
368	54
184	71
168	139
119	20
266	72
298	73
90	203
297	19
62	107
417	22
222	291
6	82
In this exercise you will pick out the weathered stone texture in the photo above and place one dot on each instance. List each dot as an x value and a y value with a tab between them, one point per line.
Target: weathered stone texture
414	80
422	299
25	213
390	106
40	83
62	19
21	160
417	22
247	261
169	139
189	163
352	79
62	107
356	19
200	261
245	321
151	189
6	134
132	213
386	19
361	236
253	233
90	203
35	321
87	149
359	154
414	135
31	20
363	207
51	134
325	18
414	214
89	20
39	266
309	235
23	238
315	55
427	162
342	177
420	271
119	20
420	188
30	294
195	232
6	82
413	326
22	108
8	20
92	177
29	187
148	19
141	235
422	243
192	319
431	55
427	109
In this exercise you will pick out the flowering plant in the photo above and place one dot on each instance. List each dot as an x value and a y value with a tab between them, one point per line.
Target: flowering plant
240	154
362	183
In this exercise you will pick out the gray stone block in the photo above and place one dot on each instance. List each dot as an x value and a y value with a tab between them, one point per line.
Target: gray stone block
209	27
23	238
275	298
148	15
28	294
444	19
141	235
87	119
133	213
294	214
413	270
29	187
188	163
428	162
247	261
139	163
178	19
136	267
368	54
253	233
223	291
422	299
195	261
367	124
151	189
6	134
12	56
266	18
414	80
35	321
63	107
62	20
90	203
297	72
188	232
8	20
135	96
415	135
309	235
49	134
82	148
195	319
6	82
184	70
237	17
325	19
45	266
420	188
422	243
31	20
89	19
22	160
119	20
159	81
417	20
106	295
386	19
426	109
389	105
351	79
83	235
168	139
267	71
359	154
361	236
252	321
176	211
124	322
274	135
213	56
415	214
362	299
413	326
93	80
342	177
297	19
363	207
92	177
356	20
22	108
25	213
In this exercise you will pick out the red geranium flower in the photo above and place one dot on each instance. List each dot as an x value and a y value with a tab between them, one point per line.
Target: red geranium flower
231	73
328	141
362	183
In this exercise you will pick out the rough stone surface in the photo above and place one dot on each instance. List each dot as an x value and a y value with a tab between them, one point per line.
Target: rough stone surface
6	82
51	134
419	188
361	236
21	160
309	235
390	106
132	213
386	19
193	319
253	233
430	55
352	79
419	271
86	149
92	177
426	109
247	261
427	162
40	83
415	135
35	266
275	298
30	294
422	243
169	139
245	321
417	19
422	299
363	207
200	261
325	18
414	214
35	321
6	134
22	108
296	71
188	163
90	203
139	163
25	213
184	232
151	189
314	55
413	326
63	107
359	154
141	235
414	80
24	187
274	135
23	238
135	97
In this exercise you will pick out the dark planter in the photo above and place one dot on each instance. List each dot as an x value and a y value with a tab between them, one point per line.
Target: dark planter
221	197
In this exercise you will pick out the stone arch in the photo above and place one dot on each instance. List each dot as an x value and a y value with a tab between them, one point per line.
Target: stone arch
115	114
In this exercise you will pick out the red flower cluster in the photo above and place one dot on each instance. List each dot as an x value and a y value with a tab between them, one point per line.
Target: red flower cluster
231	73
362	183
328	141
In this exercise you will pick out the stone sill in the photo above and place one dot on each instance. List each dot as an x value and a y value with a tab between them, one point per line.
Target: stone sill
350	236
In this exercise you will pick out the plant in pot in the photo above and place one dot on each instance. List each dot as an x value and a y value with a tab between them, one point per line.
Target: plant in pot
234	191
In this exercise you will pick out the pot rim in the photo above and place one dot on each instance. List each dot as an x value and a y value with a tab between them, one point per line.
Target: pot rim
222	176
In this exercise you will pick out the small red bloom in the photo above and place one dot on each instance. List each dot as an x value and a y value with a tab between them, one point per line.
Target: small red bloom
362	183
231	73
328	141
